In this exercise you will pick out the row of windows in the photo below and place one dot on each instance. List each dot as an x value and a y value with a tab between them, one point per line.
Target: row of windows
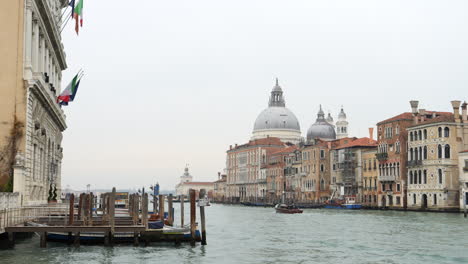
422	134
420	176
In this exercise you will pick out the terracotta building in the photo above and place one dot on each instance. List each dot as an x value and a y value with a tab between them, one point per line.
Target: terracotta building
370	186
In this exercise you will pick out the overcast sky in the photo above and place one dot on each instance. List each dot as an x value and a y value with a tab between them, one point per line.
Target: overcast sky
170	83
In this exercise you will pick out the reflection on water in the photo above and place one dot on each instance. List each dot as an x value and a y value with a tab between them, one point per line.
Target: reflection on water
238	234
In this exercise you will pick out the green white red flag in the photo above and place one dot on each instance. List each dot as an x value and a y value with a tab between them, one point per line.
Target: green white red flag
78	15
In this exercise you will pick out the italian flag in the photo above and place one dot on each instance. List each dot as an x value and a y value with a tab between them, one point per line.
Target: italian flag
78	14
68	95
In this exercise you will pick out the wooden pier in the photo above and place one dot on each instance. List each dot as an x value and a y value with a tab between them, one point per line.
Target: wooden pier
86	224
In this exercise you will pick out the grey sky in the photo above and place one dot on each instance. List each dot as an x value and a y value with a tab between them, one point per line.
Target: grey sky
175	82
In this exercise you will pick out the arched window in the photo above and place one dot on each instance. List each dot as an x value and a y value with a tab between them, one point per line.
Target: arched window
411	177
420	153
440	176
414	198
446	132
411	136
425	133
398	169
416	154
425	177
447	151
425	153
420	135
440	132
435	198
439	151
419	177
411	154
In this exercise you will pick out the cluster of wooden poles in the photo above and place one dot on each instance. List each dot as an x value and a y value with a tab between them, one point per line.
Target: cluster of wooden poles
86	219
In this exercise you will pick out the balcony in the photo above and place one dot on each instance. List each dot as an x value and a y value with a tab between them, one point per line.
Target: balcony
413	163
261	180
386	177
382	156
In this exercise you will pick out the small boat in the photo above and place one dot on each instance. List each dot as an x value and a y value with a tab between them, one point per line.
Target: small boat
348	203
287	209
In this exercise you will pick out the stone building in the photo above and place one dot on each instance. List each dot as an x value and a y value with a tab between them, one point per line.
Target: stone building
276	170
186	183
392	156
219	188
31	122
316	165
369	178
246	168
463	172
277	120
435	140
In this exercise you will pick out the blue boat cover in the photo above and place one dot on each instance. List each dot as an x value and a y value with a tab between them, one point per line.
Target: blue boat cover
155	225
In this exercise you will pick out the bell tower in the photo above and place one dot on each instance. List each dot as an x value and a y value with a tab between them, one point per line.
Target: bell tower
186	177
341	125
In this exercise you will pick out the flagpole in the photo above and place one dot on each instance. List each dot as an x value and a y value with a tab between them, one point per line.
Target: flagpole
64	11
65	23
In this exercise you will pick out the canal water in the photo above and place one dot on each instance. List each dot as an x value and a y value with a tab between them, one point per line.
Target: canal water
238	234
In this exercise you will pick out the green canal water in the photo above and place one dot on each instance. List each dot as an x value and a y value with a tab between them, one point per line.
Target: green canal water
238	234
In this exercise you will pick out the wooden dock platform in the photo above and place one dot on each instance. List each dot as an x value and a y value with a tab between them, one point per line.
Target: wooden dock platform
87	224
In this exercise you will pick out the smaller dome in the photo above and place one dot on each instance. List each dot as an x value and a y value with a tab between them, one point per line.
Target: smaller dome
321	128
329	118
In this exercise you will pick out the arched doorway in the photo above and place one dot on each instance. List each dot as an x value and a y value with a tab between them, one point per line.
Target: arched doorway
424	201
384	202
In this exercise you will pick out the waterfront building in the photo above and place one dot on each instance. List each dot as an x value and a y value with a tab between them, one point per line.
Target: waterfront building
186	183
463	170
347	160
277	120
392	156
293	172
276	173
369	177
219	188
316	164
435	140
246	168
31	122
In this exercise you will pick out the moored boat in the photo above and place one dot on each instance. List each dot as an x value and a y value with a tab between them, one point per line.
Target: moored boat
287	209
348	203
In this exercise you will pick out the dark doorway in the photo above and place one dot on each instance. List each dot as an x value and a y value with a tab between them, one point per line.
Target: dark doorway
424	201
384	202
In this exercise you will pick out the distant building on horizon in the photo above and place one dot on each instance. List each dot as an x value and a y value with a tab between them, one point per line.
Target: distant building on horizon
186	183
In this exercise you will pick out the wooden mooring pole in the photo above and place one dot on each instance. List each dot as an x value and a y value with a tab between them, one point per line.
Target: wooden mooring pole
181	210
161	207
170	210
201	197
193	216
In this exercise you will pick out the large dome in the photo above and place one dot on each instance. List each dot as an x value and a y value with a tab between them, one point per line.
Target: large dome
277	120
321	128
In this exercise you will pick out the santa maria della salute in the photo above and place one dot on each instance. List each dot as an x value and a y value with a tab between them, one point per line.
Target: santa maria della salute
280	122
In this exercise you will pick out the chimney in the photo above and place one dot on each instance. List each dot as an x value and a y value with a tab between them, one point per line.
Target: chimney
219	175
371	133
236	145
414	109
422	113
464	117
230	147
329	145
456	110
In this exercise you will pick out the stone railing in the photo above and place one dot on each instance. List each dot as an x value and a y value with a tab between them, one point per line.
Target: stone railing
9	200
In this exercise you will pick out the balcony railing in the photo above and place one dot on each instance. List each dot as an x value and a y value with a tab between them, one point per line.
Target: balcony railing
387	177
261	180
382	156
413	163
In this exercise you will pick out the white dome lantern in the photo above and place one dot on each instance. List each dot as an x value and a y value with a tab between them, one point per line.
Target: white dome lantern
277	120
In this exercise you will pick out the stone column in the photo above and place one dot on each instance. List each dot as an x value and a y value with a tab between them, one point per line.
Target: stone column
19	171
28	42
35	46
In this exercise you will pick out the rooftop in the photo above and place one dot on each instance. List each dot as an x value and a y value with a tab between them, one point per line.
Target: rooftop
360	142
